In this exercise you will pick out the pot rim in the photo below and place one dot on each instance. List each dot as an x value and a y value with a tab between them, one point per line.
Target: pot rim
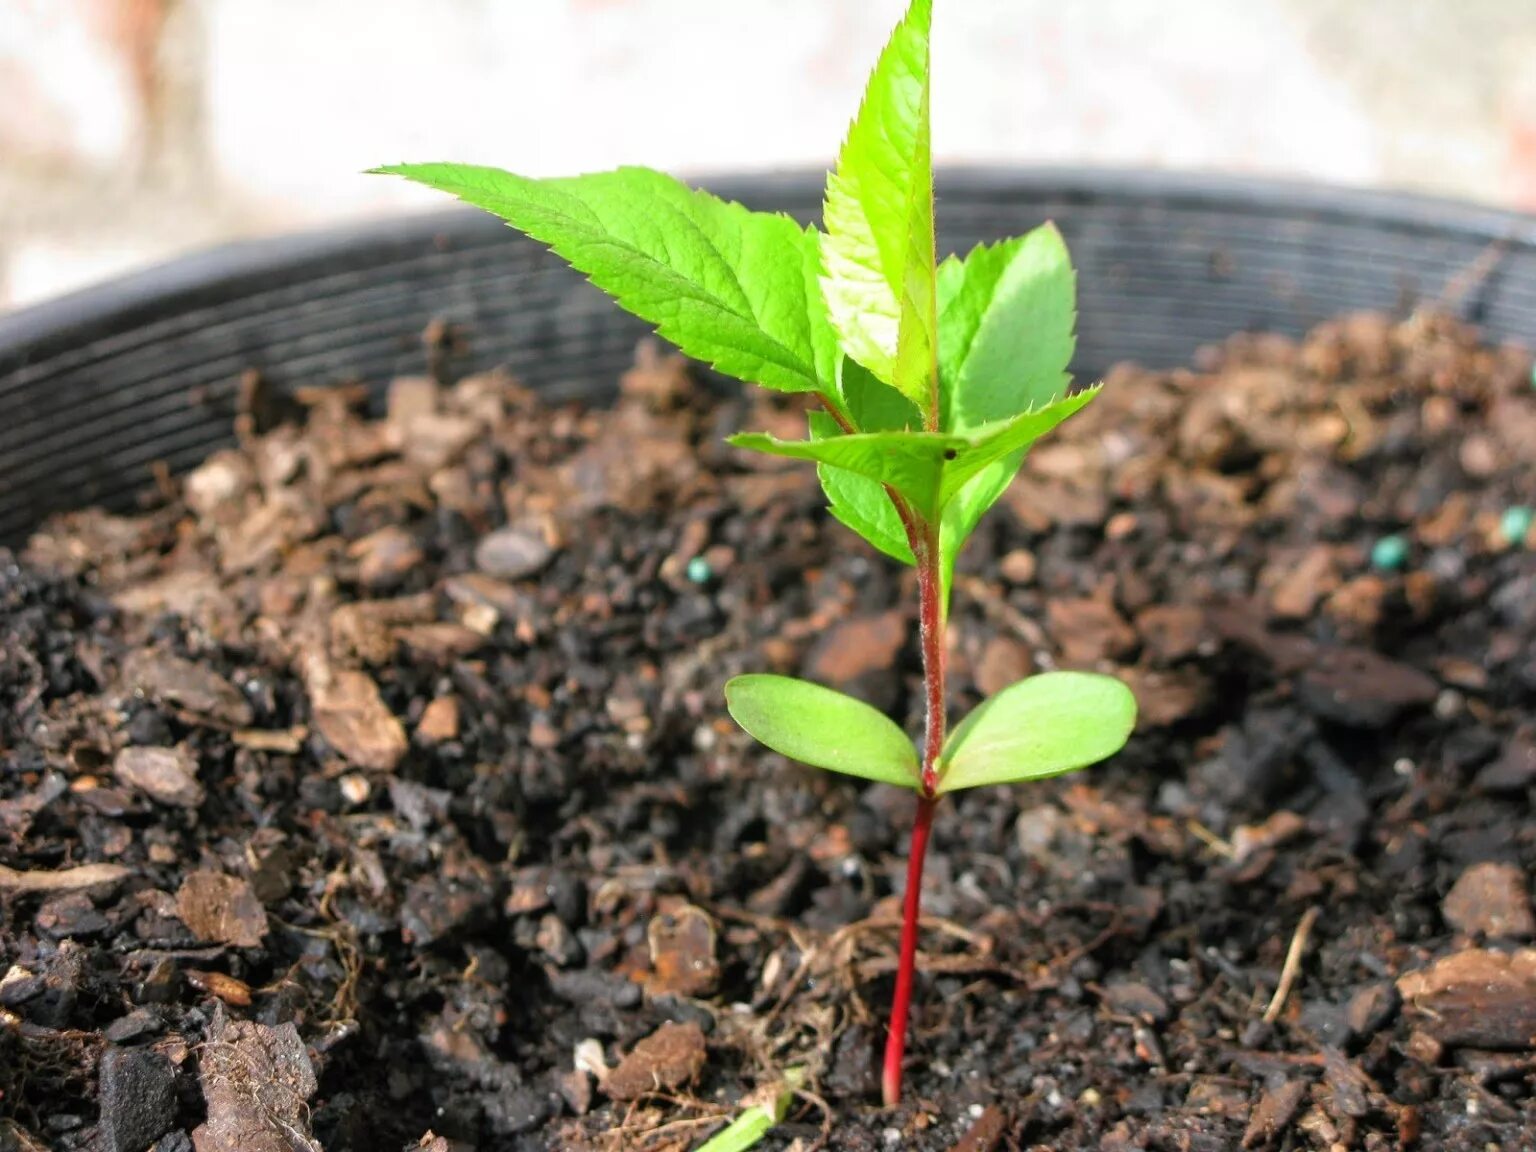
237	267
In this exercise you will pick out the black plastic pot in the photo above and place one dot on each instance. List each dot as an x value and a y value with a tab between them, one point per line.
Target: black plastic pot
97	387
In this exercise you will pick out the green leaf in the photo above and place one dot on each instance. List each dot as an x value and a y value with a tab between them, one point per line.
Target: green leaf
1006	314
928	468
910	462
826	352
878	255
731	287
993	442
1008	330
859	503
1043	726
763	1110
965	511
872	405
823	728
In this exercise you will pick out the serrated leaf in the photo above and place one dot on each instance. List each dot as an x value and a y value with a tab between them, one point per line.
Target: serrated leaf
993	442
1044	726
731	287
1006	314
927	468
878	254
1007	330
824	728
859	503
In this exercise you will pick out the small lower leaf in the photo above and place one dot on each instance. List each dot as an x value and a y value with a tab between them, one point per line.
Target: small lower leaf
823	728
1044	726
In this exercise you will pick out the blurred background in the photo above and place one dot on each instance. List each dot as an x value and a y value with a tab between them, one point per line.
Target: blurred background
134	130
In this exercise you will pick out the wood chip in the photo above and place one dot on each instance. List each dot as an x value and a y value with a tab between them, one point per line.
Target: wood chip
1089	631
439	721
220	909
350	713
668	1058
65	880
1490	898
1476	998
287	741
227	988
192	688
256	1081
1276	1109
166	775
682	942
986	1134
1347	1084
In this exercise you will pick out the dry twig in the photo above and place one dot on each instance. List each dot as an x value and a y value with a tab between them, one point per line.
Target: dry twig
1292	967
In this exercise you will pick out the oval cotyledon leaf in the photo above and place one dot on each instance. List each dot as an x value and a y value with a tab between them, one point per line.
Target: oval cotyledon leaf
823	728
1044	726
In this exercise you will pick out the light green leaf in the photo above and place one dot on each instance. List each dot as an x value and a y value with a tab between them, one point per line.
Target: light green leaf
823	728
878	255
910	462
826	352
965	511
763	1110
928	468
1043	726
728	286
1006	314
992	442
859	503
874	406
1007	332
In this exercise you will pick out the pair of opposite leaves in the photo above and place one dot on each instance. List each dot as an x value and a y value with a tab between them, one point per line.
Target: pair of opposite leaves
946	373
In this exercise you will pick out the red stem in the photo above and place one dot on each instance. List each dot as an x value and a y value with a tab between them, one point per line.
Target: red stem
925	546
896	1045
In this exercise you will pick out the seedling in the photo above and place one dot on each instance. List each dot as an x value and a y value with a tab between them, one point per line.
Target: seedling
762	1111
933	380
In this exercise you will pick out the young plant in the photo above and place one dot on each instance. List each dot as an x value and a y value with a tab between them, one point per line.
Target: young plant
933	380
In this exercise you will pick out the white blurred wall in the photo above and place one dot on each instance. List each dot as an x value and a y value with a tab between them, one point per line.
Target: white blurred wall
131	130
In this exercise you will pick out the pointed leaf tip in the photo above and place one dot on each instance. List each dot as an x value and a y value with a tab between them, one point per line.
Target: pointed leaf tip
878	254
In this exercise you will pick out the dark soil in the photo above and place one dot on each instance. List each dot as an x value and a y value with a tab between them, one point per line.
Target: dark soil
377	780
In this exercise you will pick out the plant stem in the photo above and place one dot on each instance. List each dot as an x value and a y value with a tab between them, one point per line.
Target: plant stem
896	1042
931	634
925	546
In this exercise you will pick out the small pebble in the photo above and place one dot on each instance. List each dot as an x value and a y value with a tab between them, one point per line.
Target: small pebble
1389	554
1018	567
355	787
699	571
1515	525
